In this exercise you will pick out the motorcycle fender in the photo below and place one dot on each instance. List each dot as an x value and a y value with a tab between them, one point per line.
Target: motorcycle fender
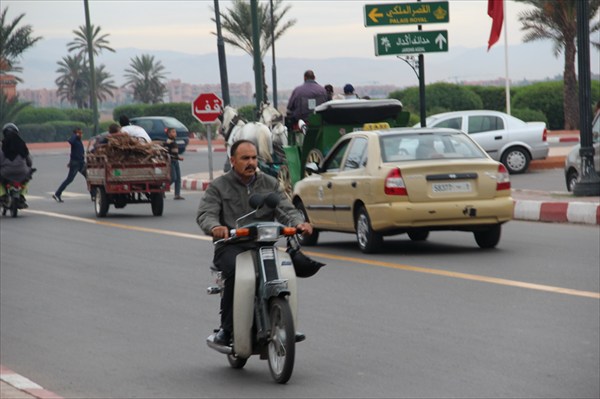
286	271
243	304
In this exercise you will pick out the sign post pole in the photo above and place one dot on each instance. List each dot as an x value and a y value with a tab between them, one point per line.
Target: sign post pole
210	154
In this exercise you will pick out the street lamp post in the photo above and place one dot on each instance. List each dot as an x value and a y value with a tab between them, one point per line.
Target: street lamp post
589	185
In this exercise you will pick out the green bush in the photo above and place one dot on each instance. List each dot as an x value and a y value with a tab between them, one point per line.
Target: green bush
438	96
37	133
64	129
529	115
248	112
546	97
85	116
40	115
492	97
130	110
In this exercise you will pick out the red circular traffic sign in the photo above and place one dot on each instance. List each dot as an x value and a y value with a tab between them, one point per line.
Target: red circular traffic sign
207	107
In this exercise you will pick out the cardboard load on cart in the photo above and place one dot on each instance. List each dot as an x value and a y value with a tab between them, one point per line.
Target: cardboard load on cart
122	148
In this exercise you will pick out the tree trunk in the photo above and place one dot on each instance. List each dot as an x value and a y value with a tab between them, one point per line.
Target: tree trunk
265	86
570	90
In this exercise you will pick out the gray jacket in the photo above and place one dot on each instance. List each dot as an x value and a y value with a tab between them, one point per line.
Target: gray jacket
226	199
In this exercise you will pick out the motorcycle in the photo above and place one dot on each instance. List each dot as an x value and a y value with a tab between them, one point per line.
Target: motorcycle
265	294
14	199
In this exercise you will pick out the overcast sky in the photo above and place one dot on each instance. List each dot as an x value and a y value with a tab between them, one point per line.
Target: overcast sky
324	29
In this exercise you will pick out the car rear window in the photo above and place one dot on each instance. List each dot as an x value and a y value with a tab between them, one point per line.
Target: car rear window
172	122
425	146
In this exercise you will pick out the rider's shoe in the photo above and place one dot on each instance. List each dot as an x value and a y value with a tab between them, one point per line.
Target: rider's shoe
223	337
300	336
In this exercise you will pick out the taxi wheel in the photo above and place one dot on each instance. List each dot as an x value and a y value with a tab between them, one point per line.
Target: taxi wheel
488	238
369	241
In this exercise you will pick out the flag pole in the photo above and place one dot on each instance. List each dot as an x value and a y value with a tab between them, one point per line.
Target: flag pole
506	79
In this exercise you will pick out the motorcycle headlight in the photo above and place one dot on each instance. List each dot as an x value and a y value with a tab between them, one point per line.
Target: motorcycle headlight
267	233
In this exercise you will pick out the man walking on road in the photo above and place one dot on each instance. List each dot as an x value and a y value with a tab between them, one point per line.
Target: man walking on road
76	163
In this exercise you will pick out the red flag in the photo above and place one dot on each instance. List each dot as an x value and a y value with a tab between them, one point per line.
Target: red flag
496	11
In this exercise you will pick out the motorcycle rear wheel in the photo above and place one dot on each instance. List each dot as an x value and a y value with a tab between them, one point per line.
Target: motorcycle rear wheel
282	342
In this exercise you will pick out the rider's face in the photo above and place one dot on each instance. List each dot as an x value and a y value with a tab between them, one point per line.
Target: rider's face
245	160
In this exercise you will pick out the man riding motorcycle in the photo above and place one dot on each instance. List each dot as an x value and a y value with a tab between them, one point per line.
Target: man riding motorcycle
15	162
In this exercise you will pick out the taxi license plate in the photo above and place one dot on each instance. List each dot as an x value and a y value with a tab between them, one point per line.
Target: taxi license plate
454	187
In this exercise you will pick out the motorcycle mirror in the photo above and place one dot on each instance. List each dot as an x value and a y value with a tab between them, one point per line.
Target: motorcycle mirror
272	200
256	201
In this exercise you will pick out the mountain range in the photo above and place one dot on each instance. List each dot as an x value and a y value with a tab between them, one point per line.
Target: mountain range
530	61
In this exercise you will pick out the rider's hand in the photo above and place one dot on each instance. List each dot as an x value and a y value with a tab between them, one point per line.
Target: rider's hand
219	232
305	228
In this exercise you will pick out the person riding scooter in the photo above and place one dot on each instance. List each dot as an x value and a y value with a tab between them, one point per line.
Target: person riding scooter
225	201
15	161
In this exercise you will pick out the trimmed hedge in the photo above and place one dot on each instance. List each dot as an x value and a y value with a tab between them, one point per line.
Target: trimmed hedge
40	115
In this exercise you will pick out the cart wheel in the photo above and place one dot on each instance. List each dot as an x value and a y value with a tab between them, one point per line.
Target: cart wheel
315	156
100	202
285	180
157	202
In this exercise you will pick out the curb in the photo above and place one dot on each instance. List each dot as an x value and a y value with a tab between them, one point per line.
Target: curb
557	212
567	139
25	385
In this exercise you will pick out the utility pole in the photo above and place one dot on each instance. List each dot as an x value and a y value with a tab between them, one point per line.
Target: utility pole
258	82
222	59
90	43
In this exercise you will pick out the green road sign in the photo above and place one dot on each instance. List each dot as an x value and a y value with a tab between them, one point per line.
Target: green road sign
411	42
406	13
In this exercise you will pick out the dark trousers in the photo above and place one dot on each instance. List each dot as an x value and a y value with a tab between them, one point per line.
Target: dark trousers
176	176
74	167
224	260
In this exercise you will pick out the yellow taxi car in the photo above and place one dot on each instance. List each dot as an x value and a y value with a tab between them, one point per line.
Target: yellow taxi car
381	182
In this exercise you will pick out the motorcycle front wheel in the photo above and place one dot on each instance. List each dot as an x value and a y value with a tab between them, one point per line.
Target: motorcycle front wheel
282	342
236	362
14	207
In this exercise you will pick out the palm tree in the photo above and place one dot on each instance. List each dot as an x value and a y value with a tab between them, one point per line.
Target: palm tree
14	41
104	84
73	82
557	20
80	44
238	22
145	76
10	108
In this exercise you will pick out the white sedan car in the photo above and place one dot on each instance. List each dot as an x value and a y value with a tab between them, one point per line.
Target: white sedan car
505	138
